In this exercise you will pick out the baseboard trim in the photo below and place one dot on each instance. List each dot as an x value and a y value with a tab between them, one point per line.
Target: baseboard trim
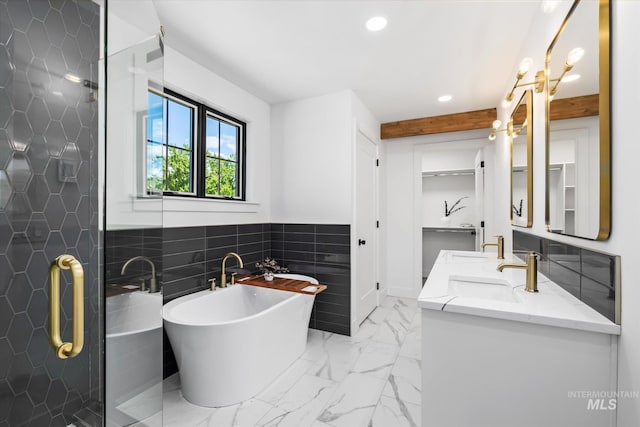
402	292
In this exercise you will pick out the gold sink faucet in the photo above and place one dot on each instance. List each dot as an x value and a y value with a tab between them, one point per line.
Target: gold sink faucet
499	244
532	270
223	276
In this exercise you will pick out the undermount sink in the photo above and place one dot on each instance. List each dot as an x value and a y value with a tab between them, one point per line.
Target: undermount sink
488	288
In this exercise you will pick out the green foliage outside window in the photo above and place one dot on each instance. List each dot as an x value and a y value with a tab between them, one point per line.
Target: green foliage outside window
221	177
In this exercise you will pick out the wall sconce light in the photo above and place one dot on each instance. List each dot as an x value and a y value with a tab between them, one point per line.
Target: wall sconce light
525	64
516	132
573	57
495	129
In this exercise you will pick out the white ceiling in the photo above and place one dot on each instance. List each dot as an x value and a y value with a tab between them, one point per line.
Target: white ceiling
286	50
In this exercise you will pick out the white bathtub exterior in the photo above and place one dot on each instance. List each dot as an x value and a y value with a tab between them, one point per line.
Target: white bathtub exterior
133	357
232	343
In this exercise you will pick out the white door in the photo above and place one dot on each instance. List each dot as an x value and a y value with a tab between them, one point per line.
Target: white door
479	219
365	227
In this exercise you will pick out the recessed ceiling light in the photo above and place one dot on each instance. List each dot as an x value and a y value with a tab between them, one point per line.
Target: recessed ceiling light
445	98
376	23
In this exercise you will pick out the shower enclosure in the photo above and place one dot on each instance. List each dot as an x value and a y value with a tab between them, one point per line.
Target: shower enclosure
51	100
73	210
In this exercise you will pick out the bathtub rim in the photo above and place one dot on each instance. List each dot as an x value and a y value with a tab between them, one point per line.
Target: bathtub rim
144	295
297	276
166	309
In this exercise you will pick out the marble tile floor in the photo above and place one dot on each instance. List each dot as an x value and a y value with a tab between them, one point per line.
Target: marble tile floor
371	379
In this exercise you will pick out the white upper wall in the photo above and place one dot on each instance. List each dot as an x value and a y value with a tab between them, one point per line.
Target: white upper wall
126	90
312	163
183	75
195	81
438	189
366	122
130	22
449	159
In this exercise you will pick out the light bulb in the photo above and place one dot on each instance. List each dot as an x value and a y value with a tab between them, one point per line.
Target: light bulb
492	137
574	56
445	98
525	64
496	124
506	103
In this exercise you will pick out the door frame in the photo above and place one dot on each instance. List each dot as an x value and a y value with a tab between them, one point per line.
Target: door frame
445	142
355	322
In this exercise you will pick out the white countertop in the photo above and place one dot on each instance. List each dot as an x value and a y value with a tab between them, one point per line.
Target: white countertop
552	305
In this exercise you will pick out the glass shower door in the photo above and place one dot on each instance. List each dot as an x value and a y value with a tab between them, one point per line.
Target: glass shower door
49	185
133	243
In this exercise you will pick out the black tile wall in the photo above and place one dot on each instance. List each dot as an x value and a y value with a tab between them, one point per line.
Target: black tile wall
122	245
321	251
48	204
193	255
188	257
588	275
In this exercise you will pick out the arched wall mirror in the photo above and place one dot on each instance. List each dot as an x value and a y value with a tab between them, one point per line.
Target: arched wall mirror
521	135
578	174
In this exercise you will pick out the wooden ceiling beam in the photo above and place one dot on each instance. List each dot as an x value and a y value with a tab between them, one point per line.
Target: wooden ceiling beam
566	108
480	119
573	108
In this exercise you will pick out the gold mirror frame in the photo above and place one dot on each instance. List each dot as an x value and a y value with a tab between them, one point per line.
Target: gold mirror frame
604	89
516	120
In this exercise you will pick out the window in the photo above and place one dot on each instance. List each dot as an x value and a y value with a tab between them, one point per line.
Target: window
221	158
170	145
193	150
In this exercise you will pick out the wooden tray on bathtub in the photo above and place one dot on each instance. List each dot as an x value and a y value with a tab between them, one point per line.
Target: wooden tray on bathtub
290	285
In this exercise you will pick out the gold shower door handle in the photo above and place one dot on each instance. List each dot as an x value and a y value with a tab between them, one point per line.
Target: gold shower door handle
66	349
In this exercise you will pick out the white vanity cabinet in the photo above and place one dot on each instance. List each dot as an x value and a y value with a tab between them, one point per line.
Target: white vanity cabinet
542	359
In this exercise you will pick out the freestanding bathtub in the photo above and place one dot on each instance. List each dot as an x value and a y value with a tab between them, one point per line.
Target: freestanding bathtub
232	343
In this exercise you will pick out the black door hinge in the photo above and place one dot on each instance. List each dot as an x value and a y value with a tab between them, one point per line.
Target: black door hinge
482	164
377	286
377	162
377	224
481	224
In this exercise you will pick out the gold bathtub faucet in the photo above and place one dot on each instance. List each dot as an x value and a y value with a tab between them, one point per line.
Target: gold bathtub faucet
153	285
223	276
532	270
499	244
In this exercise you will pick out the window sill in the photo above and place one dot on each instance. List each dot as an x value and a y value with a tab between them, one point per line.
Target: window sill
180	204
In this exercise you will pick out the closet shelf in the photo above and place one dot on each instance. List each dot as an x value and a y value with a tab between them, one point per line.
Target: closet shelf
456	172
